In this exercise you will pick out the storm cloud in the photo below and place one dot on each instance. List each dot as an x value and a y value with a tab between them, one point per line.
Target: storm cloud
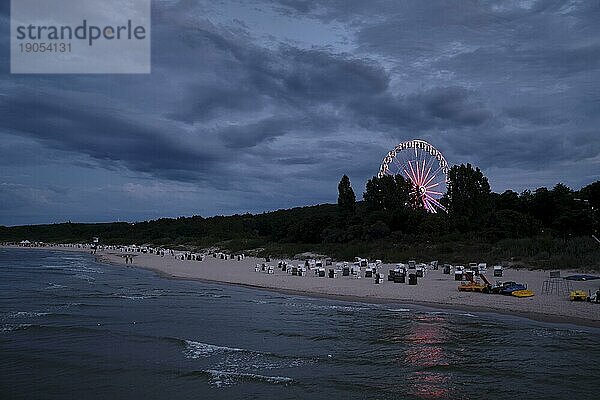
259	105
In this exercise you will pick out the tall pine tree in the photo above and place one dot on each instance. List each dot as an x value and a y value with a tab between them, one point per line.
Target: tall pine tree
346	197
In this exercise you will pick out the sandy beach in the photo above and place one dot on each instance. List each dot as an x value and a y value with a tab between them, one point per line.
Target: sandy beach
435	289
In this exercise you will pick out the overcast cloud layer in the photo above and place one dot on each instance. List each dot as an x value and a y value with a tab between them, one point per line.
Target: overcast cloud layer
254	106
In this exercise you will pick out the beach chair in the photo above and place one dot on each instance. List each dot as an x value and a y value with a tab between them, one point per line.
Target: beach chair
482	267
391	275
412	279
458	273
420	270
399	276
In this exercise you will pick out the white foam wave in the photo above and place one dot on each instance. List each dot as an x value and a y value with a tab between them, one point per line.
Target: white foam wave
327	307
122	296
75	268
141	294
22	314
225	378
11	327
53	286
87	278
398	309
199	349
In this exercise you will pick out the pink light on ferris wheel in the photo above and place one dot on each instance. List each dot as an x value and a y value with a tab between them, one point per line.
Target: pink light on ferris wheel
424	166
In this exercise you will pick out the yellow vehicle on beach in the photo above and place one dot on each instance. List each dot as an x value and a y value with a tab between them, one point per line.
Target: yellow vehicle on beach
473	287
523	293
578	295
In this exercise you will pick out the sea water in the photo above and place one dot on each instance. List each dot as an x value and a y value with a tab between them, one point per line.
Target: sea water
73	328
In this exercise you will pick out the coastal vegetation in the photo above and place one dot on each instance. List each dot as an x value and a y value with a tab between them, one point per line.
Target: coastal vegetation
544	228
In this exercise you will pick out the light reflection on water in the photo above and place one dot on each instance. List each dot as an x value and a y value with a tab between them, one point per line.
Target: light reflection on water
425	341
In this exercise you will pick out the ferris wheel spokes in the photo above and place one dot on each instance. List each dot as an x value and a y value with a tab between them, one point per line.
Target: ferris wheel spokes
425	167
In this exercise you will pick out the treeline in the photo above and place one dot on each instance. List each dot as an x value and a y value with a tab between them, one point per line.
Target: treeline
549	228
473	208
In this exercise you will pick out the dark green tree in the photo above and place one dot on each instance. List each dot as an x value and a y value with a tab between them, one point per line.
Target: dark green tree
590	194
508	200
373	194
468	195
346	197
390	193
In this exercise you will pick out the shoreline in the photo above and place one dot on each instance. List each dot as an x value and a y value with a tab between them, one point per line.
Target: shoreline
167	267
545	318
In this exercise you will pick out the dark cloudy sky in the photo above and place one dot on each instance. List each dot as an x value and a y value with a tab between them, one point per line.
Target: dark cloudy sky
259	105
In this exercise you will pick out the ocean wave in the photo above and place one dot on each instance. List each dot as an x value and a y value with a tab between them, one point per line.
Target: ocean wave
87	278
14	327
57	329
328	307
398	309
139	294
227	378
26	314
73	268
202	294
242	360
198	349
122	296
53	286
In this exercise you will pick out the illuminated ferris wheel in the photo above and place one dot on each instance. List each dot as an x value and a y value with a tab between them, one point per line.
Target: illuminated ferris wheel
426	168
